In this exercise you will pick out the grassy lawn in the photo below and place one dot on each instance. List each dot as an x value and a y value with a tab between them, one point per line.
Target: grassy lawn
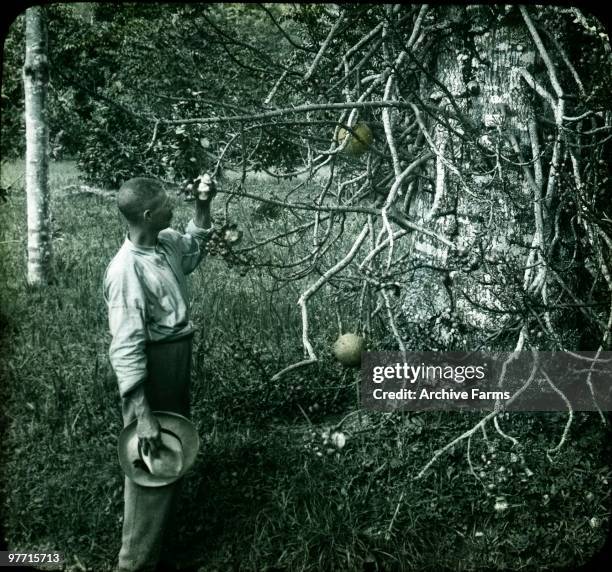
268	492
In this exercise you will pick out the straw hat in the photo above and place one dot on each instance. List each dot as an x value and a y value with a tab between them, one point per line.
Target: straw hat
176	455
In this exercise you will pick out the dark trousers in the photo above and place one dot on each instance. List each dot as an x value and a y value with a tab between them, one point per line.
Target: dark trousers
148	510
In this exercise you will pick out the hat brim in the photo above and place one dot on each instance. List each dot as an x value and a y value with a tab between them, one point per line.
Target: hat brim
128	448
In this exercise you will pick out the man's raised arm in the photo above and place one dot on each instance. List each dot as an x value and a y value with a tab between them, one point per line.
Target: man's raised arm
200	227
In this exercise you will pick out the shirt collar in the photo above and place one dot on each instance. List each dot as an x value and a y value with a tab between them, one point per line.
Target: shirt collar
140	249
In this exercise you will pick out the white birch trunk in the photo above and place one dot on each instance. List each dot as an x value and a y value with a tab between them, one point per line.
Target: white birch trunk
35	79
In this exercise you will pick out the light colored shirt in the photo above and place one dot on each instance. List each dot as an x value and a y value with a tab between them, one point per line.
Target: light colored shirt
145	289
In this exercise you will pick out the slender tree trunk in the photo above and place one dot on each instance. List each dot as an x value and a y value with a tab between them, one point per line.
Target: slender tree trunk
35	79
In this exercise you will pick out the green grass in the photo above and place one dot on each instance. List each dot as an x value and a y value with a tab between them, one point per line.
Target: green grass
267	492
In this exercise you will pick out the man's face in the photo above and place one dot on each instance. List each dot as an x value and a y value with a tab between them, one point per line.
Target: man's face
160	214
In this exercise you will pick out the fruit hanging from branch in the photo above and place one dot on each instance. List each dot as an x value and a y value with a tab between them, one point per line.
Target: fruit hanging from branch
347	349
231	234
359	139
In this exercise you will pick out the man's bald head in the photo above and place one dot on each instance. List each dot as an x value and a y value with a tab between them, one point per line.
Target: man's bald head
138	195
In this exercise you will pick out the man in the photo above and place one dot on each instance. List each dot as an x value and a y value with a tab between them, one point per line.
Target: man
145	289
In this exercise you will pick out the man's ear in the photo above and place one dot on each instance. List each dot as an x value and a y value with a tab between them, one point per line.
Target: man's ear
147	215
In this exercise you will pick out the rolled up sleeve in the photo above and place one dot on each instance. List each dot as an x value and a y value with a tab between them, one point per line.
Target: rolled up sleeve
127	350
127	322
193	246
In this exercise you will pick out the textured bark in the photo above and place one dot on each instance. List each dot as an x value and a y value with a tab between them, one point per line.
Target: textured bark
485	82
35	79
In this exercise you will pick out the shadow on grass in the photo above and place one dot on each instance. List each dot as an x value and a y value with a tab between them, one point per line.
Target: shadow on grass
226	495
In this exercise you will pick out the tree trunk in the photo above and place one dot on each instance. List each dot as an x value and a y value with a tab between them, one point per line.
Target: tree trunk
489	206
35	79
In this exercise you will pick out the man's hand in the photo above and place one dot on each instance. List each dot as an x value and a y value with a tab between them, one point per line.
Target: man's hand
148	430
204	193
206	189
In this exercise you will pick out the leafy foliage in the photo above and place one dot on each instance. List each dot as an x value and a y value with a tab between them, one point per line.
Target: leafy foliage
12	139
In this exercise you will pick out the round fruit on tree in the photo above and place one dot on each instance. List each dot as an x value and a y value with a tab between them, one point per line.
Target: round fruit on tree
348	348
360	139
231	234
